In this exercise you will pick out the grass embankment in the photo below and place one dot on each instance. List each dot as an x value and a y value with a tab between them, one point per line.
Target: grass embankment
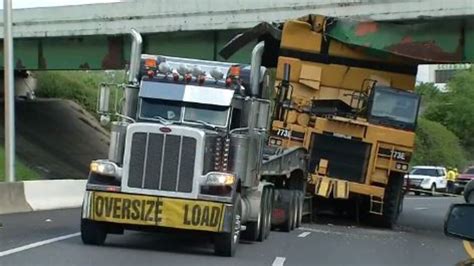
23	172
78	86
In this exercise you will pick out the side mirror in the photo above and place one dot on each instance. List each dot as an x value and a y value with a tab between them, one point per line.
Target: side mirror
104	99
459	222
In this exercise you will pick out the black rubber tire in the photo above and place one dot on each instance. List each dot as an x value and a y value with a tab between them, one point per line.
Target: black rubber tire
266	220
225	244
271	200
433	190
93	233
300	197
391	206
417	193
400	205
253	228
287	199
290	211
468	191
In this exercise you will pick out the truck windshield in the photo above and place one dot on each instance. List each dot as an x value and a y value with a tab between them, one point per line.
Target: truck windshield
174	111
395	108
210	114
424	171
155	109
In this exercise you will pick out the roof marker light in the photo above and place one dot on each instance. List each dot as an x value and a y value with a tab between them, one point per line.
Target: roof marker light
216	74
150	63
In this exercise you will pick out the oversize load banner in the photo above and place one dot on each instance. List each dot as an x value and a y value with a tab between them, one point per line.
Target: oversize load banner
158	211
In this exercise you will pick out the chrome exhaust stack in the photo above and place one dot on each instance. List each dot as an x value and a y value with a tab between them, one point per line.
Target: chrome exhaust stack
255	68
135	56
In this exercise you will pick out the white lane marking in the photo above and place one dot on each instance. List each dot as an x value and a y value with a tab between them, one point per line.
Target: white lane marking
279	261
420	208
36	244
315	230
304	234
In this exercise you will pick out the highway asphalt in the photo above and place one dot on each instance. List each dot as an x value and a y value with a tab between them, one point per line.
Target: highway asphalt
51	238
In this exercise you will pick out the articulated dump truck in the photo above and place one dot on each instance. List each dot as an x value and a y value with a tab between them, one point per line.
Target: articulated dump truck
353	111
188	152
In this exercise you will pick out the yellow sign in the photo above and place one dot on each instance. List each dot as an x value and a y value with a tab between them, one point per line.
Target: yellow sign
158	211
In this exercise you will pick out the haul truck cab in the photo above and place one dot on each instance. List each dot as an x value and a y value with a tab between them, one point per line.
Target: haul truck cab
188	152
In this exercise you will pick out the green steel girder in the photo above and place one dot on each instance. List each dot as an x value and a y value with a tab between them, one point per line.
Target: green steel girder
112	52
425	41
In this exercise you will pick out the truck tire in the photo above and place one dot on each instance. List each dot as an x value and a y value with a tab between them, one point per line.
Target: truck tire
271	200
93	233
288	199
253	228
296	207
225	244
300	208
266	214
391	206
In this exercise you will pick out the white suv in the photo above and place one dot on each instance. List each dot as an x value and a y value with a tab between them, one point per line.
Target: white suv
431	178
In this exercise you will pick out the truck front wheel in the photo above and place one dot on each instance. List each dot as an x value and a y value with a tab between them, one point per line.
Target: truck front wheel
93	233
225	244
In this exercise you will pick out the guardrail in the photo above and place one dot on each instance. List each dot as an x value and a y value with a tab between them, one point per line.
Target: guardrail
41	195
434	193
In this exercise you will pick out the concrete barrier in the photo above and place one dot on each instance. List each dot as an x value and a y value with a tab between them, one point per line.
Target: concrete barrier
41	195
54	194
12	198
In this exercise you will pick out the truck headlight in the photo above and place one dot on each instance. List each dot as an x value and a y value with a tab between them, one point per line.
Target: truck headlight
219	179
106	168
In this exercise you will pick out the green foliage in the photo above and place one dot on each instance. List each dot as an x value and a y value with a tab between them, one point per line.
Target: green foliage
79	86
455	108
436	145
22	171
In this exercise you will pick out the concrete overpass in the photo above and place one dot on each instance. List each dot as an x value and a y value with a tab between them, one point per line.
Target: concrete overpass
93	36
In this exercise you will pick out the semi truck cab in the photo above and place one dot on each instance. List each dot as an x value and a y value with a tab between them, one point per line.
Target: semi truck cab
186	152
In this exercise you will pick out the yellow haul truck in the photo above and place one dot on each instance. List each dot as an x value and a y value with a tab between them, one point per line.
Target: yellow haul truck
355	113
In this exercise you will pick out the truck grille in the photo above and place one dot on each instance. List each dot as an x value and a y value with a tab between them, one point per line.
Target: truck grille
162	162
348	158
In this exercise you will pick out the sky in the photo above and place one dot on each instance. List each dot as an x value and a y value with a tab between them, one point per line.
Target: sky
43	3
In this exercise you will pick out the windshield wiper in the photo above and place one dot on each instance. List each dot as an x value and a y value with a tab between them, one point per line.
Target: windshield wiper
163	120
203	123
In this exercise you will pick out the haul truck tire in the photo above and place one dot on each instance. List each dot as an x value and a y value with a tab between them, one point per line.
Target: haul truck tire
93	233
225	244
393	195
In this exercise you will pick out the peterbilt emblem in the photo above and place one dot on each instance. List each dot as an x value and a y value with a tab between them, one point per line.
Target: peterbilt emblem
165	129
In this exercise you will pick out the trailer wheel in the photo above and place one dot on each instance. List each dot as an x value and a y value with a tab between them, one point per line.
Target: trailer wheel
225	244
288	202
300	201
296	209
93	233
